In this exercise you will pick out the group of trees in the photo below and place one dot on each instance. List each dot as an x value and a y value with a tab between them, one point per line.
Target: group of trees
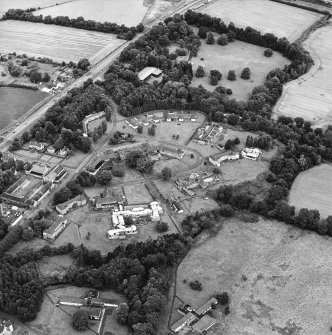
139	160
121	31
71	190
262	142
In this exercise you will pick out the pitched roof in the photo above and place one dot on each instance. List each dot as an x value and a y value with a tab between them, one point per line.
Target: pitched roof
70	201
148	71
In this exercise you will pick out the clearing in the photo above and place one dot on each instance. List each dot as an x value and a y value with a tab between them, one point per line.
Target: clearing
310	96
100	10
39	39
15	102
278	278
265	16
312	189
235	56
137	194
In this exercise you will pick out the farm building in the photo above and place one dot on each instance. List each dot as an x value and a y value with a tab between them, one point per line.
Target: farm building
34	145
206	306
56	229
177	207
251	153
93	313
38	170
65	207
56	174
149	72
222	157
204	324
186	320
93	121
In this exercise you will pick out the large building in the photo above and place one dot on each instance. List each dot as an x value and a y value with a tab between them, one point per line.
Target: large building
109	198
149	72
204	324
186	320
56	229
56	174
223	157
65	207
93	121
38	170
251	153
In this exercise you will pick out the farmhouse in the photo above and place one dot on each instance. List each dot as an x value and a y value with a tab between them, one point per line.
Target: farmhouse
186	320
38	170
65	207
222	157
56	174
56	229
34	145
251	153
204	324
148	72
93	121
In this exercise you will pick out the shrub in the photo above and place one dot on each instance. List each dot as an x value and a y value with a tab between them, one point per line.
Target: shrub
223	298
181	52
229	91
231	75
162	227
200	72
118	171
245	74
268	52
222	40
202	33
166	173
210	38
196	285
216	171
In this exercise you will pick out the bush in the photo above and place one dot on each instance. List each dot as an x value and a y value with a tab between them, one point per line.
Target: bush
210	38
200	72
181	52
80	320
196	285
118	171
229	91
162	227
202	33
223	298
216	171
222	40
268	52
166	173
231	75
245	74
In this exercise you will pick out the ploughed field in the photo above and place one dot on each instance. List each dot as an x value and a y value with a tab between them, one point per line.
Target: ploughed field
24	4
310	97
127	12
55	42
278	277
313	189
265	16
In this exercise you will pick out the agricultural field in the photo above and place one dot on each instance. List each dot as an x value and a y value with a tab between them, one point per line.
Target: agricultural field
101	10
15	102
235	56
277	277
25	4
310	96
38	39
265	16
313	189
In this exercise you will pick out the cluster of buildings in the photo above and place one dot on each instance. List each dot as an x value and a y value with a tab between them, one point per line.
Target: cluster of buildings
109	198
40	147
251	153
169	151
93	121
170	116
70	204
10	214
146	120
207	133
197	319
100	160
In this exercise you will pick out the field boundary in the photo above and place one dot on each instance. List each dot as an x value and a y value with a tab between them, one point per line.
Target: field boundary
297	5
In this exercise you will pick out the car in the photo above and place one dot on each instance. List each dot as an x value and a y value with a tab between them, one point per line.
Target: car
17	123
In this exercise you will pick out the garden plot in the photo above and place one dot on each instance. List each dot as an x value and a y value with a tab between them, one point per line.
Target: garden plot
278	278
310	97
265	16
235	56
41	40
313	189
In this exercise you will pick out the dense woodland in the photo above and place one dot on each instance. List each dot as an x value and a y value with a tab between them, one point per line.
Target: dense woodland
122	31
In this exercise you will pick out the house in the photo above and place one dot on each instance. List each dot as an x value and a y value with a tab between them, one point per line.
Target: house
93	313
206	306
51	150
222	157
155	119
56	229
56	174
123	231
186	320
177	207
63	152
6	328
132	123
65	207
38	170
251	153
145	121
34	145
109	198
93	121
204	324
167	117
148	72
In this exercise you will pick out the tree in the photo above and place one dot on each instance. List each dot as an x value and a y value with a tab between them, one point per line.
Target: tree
161	226
27	234
268	52
35	76
202	33
166	173
140	129
196	285
222	39
46	77
223	298
231	75
80	320
118	171
245	74
83	64
152	130
200	72
103	177
122	313
210	38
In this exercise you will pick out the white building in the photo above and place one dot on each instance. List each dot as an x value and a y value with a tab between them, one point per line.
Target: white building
222	157
251	153
122	231
6	328
56	229
65	207
93	121
34	145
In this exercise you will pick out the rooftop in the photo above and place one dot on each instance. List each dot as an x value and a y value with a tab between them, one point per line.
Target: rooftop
80	197
148	71
185	319
204	323
55	225
207	305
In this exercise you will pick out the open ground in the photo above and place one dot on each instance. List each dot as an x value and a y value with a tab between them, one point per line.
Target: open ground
100	10
235	56
24	4
313	189
38	39
278	278
310	97
265	16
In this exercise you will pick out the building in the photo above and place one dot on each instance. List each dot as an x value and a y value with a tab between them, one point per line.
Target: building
193	118
177	207
51	150
93	313
109	198
133	123
6	328
122	231
155	119
148	72
170	152
206	307
93	121
65	207
56	229
186	320
63	152
38	170
34	145
204	324
56	174
222	157
251	153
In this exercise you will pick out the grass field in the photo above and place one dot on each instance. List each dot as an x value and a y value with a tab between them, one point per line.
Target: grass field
310	97
265	16
137	194
38	39
235	56
313	189
49	265
286	284
101	10
14	102
24	4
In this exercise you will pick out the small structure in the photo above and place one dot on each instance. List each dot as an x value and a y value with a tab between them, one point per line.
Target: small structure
51	150
56	174
204	324
93	313
56	229
177	207
65	207
148	72
133	123
251	153
222	157
63	152
34	145
193	118
38	170
6	328
93	121
203	309
186	320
